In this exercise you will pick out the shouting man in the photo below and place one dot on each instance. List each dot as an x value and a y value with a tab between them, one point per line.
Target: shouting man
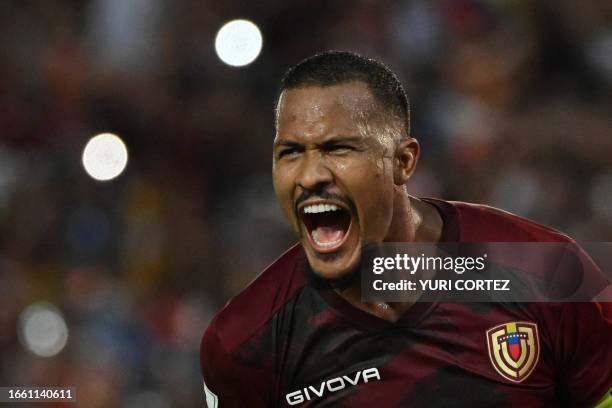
300	334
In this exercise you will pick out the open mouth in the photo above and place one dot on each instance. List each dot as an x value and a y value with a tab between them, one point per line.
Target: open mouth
327	225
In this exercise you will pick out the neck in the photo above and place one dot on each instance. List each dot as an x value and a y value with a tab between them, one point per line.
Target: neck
413	221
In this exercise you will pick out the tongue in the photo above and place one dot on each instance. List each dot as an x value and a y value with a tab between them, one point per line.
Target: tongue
325	234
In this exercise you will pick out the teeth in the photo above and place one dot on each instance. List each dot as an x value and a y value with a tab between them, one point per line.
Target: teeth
319	208
324	244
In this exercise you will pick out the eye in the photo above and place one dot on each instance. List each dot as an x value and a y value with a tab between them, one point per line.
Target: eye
291	151
339	148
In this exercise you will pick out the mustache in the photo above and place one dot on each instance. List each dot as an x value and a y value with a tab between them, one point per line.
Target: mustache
325	195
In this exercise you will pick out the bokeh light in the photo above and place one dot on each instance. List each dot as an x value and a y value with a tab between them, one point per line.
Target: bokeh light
238	43
105	156
42	329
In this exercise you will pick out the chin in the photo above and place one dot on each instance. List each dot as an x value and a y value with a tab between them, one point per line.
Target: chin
334	267
330	272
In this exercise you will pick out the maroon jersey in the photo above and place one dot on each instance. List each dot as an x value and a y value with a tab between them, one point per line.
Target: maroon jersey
287	340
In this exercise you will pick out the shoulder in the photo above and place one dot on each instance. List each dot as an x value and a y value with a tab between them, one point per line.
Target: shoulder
251	309
478	222
235	367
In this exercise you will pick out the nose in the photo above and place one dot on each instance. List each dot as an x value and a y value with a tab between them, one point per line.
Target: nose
313	172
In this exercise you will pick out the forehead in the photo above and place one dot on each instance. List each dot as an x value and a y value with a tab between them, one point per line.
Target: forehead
340	105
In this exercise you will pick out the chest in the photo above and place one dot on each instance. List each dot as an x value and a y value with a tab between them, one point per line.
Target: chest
487	357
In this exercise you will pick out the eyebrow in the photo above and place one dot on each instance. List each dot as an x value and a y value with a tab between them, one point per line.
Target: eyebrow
331	140
285	142
343	139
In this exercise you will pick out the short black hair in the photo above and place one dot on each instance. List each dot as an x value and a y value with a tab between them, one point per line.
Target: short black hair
339	67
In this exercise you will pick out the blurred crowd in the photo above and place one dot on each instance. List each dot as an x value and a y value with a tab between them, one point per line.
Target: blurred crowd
511	102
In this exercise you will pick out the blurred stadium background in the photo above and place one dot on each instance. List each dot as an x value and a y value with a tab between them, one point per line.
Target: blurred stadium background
511	102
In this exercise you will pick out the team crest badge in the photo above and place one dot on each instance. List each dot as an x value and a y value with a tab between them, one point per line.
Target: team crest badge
514	349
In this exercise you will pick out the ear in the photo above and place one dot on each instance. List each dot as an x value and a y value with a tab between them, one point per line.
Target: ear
405	160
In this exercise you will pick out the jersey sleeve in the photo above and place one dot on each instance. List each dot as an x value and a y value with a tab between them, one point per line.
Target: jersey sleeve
584	352
226	383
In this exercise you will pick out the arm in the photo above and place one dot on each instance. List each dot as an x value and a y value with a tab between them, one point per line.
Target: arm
226	382
584	353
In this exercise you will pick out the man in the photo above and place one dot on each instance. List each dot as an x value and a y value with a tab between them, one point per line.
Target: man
300	334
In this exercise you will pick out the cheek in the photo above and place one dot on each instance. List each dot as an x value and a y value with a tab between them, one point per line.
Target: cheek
283	181
283	189
379	169
377	199
368	166
378	164
384	168
365	179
